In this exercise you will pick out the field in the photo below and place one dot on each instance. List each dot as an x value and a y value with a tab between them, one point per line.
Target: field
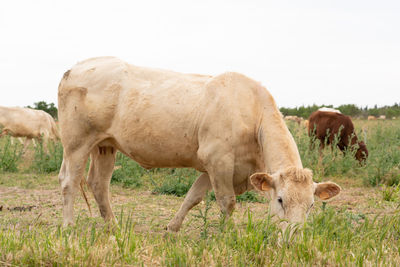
360	227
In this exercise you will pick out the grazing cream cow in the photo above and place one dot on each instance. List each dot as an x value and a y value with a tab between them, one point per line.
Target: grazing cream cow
296	119
26	122
305	124
371	118
228	127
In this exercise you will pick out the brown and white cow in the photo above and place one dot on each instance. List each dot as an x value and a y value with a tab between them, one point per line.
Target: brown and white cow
228	127
326	126
29	123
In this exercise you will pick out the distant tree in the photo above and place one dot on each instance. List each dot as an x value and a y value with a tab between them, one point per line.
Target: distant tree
49	108
348	109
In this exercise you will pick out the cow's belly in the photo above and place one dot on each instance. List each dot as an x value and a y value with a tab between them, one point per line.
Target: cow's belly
151	150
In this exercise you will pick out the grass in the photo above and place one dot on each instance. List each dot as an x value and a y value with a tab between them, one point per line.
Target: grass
383	163
331	237
361	227
10	155
47	158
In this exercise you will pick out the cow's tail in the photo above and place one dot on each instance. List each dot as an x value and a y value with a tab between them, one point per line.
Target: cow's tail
83	182
54	130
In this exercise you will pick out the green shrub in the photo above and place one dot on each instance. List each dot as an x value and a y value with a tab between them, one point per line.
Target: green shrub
383	165
48	159
10	154
128	172
248	196
177	182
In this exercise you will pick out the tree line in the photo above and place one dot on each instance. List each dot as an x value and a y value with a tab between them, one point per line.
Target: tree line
302	111
348	109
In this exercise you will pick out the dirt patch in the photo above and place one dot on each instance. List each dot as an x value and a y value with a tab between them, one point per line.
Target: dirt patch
19	208
151	213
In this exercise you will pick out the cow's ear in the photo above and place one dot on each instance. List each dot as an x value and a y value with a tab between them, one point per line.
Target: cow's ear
326	190
262	181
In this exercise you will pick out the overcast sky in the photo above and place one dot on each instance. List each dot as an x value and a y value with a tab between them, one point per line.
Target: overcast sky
323	52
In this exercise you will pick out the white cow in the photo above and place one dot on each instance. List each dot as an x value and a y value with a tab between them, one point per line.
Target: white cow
228	127
325	109
29	123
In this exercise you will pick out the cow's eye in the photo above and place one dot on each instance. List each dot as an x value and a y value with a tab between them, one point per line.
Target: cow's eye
280	200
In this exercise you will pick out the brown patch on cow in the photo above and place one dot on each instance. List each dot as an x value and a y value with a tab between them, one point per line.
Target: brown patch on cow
66	74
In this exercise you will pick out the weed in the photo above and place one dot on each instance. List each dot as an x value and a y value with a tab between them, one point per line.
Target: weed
248	196
128	172
390	193
177	182
47	158
10	155
204	216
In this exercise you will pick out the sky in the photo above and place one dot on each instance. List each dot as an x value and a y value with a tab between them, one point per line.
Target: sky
305	52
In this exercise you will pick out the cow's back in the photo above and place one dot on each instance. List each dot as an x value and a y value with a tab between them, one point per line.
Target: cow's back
158	117
145	111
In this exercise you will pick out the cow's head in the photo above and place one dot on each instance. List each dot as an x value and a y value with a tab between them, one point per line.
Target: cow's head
292	192
362	152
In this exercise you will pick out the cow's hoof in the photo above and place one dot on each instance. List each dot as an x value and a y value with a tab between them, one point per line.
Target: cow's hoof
172	228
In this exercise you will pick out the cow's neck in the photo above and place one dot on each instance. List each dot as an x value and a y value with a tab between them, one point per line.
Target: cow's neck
278	147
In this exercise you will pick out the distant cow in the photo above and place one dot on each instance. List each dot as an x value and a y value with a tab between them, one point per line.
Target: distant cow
26	122
305	123
326	125
371	118
382	117
296	119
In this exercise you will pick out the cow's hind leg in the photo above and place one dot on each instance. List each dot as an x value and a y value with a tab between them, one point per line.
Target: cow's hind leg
193	197
70	176
102	160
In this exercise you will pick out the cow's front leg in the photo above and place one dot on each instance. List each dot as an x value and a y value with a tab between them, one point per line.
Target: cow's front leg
221	177
193	197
